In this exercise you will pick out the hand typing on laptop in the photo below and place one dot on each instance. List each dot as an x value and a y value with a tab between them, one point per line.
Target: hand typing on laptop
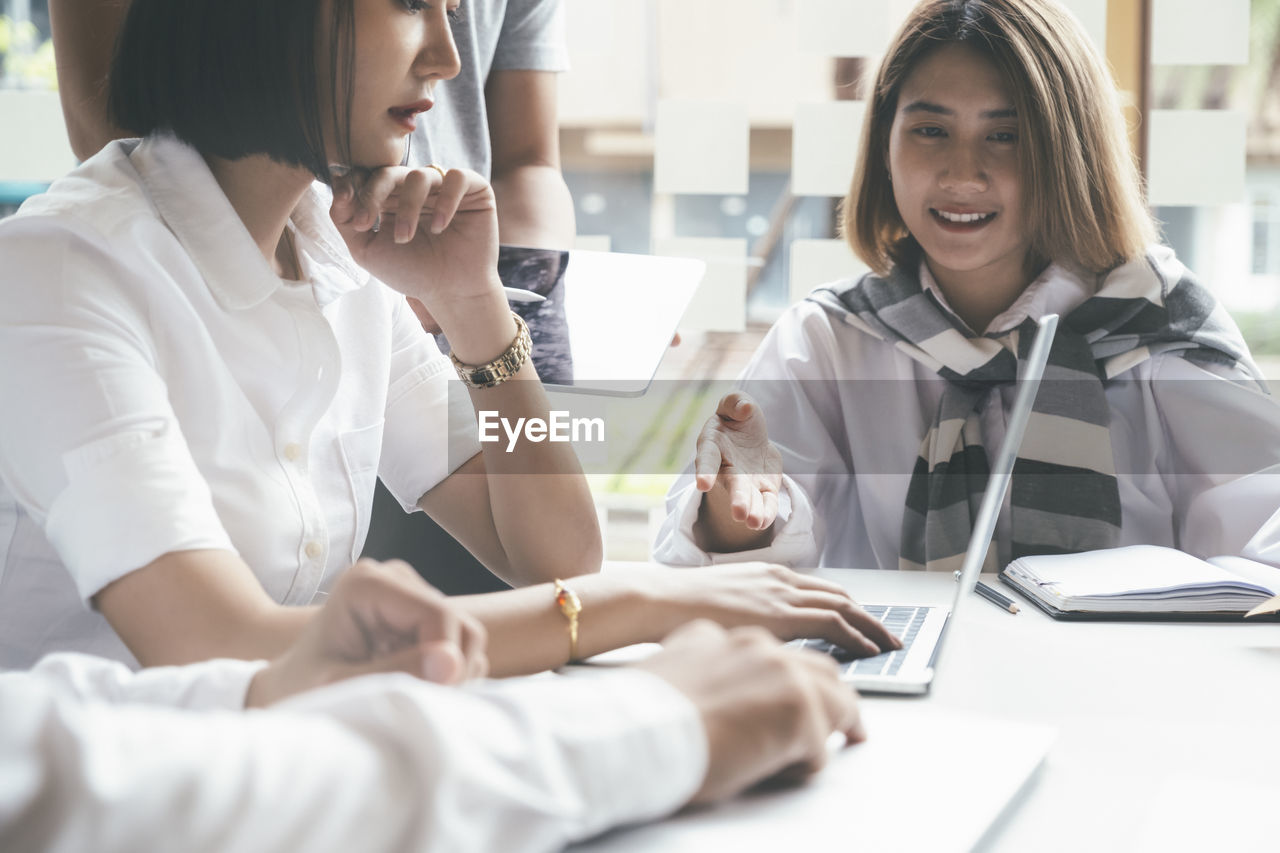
789	604
768	710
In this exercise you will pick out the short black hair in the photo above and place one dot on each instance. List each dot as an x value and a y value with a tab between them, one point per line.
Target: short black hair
233	78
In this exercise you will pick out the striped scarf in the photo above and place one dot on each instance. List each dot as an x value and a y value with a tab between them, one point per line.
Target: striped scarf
1064	496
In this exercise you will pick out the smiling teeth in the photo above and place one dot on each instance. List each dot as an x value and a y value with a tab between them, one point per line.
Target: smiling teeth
963	217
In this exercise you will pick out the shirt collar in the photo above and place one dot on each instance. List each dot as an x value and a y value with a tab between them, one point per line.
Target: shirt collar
326	263
1057	290
193	206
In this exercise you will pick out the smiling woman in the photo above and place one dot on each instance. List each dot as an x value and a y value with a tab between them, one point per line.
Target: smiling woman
995	185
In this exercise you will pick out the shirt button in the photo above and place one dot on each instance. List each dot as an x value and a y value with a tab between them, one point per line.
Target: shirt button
314	550
292	451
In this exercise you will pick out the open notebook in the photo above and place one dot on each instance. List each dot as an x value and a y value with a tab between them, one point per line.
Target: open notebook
1142	582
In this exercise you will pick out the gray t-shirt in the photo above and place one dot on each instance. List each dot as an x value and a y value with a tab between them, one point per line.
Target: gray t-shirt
492	35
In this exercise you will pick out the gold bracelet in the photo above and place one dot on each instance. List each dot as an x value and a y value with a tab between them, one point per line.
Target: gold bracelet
570	605
503	367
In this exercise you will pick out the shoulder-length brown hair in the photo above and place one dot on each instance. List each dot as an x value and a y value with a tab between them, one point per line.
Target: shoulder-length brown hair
1082	194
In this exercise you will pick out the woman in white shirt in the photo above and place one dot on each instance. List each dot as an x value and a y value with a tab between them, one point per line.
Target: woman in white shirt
203	377
995	185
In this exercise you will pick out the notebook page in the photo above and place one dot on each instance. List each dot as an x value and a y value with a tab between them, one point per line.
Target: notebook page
1254	572
1135	570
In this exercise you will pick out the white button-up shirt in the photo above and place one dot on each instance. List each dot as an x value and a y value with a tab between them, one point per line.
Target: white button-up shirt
1196	449
95	757
164	390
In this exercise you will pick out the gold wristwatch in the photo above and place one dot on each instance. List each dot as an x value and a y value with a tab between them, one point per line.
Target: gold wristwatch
503	367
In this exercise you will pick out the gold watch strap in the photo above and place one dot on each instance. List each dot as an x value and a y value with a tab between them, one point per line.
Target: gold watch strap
503	367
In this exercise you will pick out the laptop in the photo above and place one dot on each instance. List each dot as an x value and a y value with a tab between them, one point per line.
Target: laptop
605	319
923	628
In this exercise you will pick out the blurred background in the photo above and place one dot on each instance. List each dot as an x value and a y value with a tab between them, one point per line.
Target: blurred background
726	130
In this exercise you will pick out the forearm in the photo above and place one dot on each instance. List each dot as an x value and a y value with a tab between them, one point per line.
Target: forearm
542	507
534	207
190	606
528	633
538	502
261	635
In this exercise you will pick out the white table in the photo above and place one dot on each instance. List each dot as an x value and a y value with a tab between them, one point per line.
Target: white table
1168	733
1152	717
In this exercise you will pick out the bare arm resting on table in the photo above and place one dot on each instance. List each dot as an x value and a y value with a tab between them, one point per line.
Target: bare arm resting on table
190	606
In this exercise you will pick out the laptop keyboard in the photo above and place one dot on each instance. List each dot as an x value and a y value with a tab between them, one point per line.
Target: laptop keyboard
903	621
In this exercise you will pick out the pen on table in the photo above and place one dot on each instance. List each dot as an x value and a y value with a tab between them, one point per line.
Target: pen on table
515	294
997	598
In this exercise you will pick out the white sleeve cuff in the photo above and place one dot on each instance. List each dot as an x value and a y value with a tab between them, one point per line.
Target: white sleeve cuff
636	744
528	764
430	431
205	686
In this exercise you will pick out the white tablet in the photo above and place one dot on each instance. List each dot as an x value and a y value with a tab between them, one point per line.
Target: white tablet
608	317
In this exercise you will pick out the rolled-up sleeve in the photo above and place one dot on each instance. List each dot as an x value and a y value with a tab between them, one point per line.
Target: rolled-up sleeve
89	444
430	423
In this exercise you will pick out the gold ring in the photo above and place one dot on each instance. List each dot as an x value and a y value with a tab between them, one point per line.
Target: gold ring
437	168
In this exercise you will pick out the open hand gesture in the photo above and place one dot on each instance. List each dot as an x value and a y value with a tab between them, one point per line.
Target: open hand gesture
734	453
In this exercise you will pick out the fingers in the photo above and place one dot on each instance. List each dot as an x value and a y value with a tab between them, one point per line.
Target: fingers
873	628
741	491
452	189
862	622
839	700
769	502
737	406
441	662
344	194
369	201
706	462
394	605
412	197
371	198
830	625
764	509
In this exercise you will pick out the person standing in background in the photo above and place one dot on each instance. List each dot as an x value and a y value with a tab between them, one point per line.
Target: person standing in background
498	117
